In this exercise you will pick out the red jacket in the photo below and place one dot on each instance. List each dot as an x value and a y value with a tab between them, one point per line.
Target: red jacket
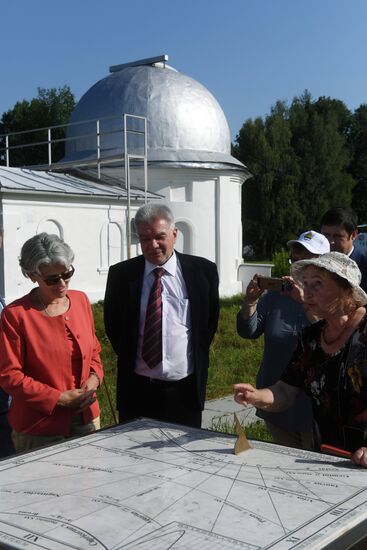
35	363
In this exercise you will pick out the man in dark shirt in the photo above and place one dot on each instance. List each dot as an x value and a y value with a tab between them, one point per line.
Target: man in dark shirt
339	225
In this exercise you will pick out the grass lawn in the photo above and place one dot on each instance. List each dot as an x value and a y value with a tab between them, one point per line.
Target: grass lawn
232	359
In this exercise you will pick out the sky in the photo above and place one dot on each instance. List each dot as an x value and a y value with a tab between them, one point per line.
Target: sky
248	53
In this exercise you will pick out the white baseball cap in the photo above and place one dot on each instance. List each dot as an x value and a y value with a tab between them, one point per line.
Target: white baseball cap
316	243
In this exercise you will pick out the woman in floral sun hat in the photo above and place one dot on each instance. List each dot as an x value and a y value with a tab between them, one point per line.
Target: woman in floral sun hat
330	362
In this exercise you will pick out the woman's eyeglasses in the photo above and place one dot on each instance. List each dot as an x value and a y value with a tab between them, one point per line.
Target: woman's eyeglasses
55	279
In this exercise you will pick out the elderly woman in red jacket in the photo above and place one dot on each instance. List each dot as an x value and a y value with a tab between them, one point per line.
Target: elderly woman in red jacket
49	353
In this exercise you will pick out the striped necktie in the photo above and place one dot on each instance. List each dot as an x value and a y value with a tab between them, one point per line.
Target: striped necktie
152	340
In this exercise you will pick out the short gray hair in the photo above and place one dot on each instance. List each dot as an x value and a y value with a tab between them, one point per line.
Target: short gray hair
154	211
44	249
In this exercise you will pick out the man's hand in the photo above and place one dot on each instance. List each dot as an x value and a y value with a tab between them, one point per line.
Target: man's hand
293	289
253	291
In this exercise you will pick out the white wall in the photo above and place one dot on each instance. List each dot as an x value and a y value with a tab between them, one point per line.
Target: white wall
84	226
209	202
246	271
191	197
229	233
206	204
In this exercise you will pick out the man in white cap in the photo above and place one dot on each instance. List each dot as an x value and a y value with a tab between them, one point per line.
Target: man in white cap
314	242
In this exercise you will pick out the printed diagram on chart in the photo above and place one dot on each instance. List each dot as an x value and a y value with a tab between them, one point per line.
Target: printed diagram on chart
147	485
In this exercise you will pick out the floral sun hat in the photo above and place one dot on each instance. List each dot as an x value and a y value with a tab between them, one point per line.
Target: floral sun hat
338	263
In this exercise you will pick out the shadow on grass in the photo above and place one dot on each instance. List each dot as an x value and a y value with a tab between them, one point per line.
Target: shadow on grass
256	430
232	359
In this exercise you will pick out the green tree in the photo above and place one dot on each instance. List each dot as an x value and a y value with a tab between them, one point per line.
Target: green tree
358	166
319	139
269	200
51	107
299	157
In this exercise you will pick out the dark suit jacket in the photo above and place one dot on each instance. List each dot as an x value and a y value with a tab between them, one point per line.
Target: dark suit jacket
361	260
122	310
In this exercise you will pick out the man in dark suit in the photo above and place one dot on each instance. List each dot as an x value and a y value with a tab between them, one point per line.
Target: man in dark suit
339	225
161	313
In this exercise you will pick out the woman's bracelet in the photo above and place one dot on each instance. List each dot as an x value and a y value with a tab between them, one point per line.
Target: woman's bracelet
96	375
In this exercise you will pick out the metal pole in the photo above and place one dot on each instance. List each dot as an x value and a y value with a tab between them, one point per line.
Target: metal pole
7	150
98	150
127	185
145	161
128	209
49	147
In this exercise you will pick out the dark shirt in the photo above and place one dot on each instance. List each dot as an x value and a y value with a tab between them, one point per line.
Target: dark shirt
361	261
337	385
279	318
6	443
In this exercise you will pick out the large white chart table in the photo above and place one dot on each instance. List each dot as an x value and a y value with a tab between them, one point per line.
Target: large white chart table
147	485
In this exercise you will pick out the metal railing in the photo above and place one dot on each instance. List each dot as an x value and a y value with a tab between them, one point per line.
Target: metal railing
126	155
96	135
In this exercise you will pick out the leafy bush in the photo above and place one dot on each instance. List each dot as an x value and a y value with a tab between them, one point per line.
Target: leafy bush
281	263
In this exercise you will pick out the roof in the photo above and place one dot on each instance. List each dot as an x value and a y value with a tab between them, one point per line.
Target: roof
16	180
185	122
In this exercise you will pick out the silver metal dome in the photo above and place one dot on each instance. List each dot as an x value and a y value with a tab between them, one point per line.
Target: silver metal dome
185	122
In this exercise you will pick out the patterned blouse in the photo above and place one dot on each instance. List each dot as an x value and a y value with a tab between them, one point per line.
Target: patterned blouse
337	385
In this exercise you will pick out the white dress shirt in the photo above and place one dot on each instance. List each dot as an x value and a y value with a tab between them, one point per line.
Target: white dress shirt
176	323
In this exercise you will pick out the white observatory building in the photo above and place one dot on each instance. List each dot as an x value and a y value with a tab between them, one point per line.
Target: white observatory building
186	151
189	155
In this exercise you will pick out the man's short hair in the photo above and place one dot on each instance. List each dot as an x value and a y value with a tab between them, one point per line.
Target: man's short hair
343	216
154	211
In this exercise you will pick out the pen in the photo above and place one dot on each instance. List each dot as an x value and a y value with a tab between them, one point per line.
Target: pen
335	451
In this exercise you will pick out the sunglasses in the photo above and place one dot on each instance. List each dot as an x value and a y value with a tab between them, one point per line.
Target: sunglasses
55	279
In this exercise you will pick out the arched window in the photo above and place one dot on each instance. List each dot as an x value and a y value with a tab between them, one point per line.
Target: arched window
135	244
110	244
50	226
185	239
